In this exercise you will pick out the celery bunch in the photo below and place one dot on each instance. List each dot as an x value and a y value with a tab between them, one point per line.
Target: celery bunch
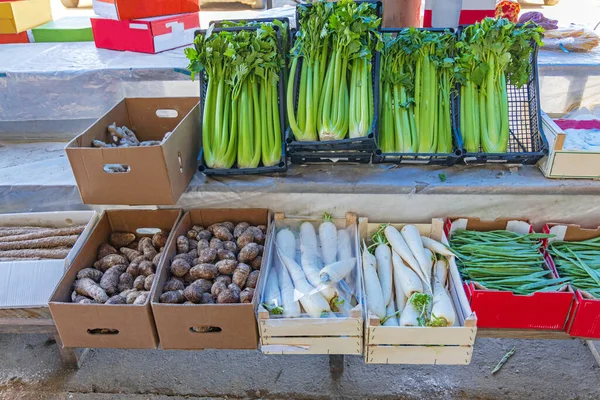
335	44
492	53
417	77
240	123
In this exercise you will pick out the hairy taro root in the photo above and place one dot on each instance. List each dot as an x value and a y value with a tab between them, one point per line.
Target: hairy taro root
207	256
173	284
246	295
173	297
91	273
224	278
204	235
239	229
145	247
193	293
138	283
117	299
146	268
226	267
224	254
217	288
191	234
256	263
121	239
130	253
245	238
204	284
183	245
252	279
110	280
235	288
202	244
110	261
204	271
141	299
248	253
207	298
180	267
228	296
240	275
222	233
148	282
125	282
89	288
105	249
216	243
159	239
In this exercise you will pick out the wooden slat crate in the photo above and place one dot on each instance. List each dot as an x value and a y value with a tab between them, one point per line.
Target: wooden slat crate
422	345
342	335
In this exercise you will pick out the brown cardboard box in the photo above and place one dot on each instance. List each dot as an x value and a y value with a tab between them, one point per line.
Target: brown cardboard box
77	323
178	324
156	174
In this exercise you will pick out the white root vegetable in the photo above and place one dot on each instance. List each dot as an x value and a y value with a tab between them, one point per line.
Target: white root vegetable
383	255
286	243
441	271
373	290
337	271
408	279
436	247
442	312
272	297
312	300
409	316
411	235
391	318
344	252
429	268
328	239
400	247
399	294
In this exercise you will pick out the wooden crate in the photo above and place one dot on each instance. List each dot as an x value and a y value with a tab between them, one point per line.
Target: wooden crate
422	345
342	335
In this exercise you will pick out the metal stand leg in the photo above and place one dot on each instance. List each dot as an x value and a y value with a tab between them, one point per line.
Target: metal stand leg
71	357
336	364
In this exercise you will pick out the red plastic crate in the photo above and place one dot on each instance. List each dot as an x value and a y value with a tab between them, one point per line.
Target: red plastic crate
506	310
584	319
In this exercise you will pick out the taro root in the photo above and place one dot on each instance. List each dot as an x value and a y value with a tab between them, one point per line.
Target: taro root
125	282
89	288
204	284
156	258
248	253
110	261
246	295
240	275
132	297
235	288
118	299
263	228
252	279
105	249
204	271
110	280
245	238
121	239
207	256
91	273
149	281
259	236
223	254
160	239
145	247
222	233
231	246
193	293
130	253
228	225
202	244
173	284
228	296
183	244
216	243
197	228
180	267
133	269
191	234
186	256
207	298
173	297
256	263
239	229
139	282
146	268
223	278
141	299
217	288
193	246
204	235
226	267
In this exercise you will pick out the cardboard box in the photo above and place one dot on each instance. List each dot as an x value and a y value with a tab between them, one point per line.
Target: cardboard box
584	320
132	9
496	309
307	335
471	12
18	16
565	164
452	345
234	325
155	174
68	29
11	38
131	326
26	285
149	35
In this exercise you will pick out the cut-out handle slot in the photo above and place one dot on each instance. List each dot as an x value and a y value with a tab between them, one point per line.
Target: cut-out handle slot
167	113
147	231
180	162
103	331
116	168
205	329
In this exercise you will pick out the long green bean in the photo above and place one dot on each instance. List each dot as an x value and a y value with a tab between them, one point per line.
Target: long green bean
580	262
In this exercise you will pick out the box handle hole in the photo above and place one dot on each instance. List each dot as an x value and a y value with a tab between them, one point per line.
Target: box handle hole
167	113
116	168
69	221
103	331
180	162
205	329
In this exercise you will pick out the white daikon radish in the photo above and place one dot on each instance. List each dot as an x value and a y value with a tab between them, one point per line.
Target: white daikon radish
430	257
409	316
312	301
441	271
442	312
286	242
328	239
411	235
399	295
373	291
310	261
400	247
408	279
337	271
383	255
272	296
391	318
436	246
344	252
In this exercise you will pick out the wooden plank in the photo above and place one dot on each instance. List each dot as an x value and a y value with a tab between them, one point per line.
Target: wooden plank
336	363
35	312
405	335
443	355
522	334
593	349
27	325
311	327
312	345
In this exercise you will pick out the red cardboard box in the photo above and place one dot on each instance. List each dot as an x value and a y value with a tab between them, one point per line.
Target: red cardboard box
148	35
506	310
133	9
23	37
584	320
471	12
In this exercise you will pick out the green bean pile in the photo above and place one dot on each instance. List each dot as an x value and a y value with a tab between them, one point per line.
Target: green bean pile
579	262
503	260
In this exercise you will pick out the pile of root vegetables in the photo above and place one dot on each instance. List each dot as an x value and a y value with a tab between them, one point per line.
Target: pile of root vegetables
316	278
122	136
37	242
217	265
406	279
124	271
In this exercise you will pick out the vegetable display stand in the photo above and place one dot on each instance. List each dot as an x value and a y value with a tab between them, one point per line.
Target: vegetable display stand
584	320
303	334
500	309
526	142
281	166
451	155
422	344
195	326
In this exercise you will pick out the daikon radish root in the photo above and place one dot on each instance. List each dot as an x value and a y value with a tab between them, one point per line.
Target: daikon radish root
374	294
441	271
436	247
43	243
272	297
344	252
383	255
410	316
408	279
337	271
391	318
411	235
400	247
286	243
421	302
328	239
442	312
400	297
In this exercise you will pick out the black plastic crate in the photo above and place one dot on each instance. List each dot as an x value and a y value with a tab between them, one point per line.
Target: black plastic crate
447	159
322	151
526	141
330	157
282	166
